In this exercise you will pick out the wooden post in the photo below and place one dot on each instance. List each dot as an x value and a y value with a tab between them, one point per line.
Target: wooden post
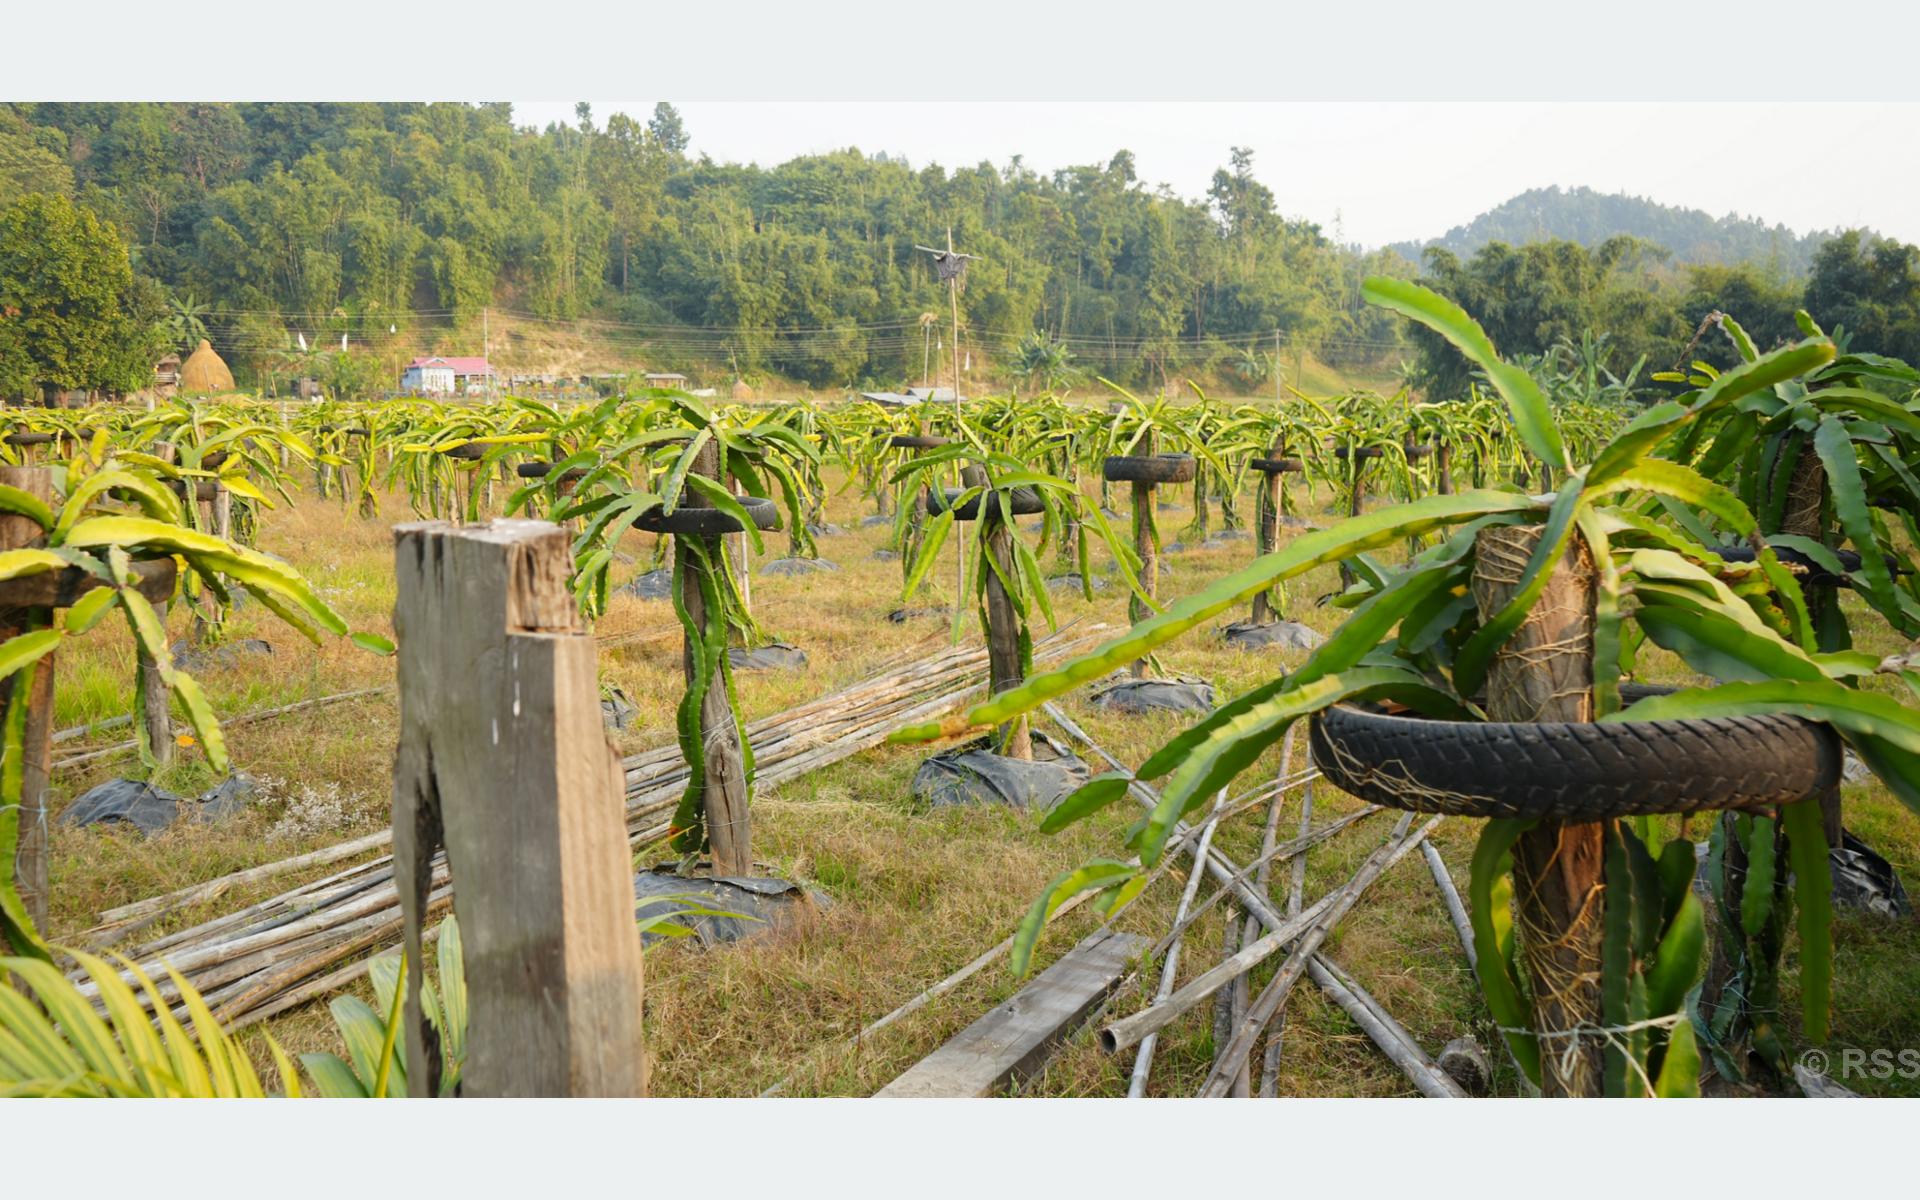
1545	673
742	557
1443	469
156	698
1143	545
1003	619
1357	464
29	865
502	759
724	787
1267	528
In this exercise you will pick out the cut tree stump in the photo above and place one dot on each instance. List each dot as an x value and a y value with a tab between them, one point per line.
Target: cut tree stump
1015	1040
502	759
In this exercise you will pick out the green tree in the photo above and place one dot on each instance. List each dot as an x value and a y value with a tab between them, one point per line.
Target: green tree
668	129
1872	288
71	315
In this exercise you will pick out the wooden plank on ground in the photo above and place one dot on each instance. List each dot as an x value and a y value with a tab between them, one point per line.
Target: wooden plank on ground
1015	1039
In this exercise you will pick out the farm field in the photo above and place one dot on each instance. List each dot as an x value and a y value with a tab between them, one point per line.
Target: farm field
915	893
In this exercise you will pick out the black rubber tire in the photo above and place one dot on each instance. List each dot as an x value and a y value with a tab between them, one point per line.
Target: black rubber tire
540	470
1417	450
25	438
1026	502
1572	771
1155	469
468	451
1364	451
918	441
1278	466
709	522
1814	573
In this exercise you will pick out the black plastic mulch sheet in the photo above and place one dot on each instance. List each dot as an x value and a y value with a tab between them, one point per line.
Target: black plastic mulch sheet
616	709
1863	880
1156	695
764	904
151	810
974	774
653	585
189	657
1277	635
798	566
777	656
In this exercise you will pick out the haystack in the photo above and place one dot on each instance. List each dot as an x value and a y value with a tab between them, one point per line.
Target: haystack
741	391
205	372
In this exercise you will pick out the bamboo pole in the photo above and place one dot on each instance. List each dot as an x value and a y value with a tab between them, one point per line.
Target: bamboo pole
357	908
1450	896
1275	996
1241	994
1388	1034
1118	1035
1296	885
1170	965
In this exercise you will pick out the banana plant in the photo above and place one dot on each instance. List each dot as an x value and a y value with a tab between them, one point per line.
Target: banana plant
1414	636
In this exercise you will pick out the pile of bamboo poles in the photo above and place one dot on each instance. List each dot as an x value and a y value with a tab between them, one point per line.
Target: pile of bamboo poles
284	951
1243	1021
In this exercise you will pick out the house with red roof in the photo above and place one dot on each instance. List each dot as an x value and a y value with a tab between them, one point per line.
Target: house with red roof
445	376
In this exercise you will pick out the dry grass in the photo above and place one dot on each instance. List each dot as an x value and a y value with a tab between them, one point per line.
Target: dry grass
915	895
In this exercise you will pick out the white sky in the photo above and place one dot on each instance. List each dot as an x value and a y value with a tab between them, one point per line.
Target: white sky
1385	171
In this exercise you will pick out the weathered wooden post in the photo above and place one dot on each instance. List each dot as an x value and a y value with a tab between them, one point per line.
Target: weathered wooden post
1267	520
29	865
1004	672
503	761
1146	545
1144	471
724	781
156	698
1357	458
1544	672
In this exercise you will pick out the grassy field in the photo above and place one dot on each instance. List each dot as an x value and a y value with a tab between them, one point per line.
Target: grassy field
915	894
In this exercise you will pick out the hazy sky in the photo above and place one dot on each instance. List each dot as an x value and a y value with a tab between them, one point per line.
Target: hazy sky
1384	172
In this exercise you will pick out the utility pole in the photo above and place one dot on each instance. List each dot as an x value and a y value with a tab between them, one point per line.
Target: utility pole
486	347
951	266
1276	367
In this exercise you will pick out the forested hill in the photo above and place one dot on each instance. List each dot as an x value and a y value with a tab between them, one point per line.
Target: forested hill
1583	215
341	240
393	222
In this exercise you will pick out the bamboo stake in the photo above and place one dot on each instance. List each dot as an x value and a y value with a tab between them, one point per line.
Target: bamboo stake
1170	966
1456	911
1240	994
1270	1062
1394	1041
1275	995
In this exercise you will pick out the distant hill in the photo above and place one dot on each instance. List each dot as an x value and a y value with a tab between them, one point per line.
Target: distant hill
1589	217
